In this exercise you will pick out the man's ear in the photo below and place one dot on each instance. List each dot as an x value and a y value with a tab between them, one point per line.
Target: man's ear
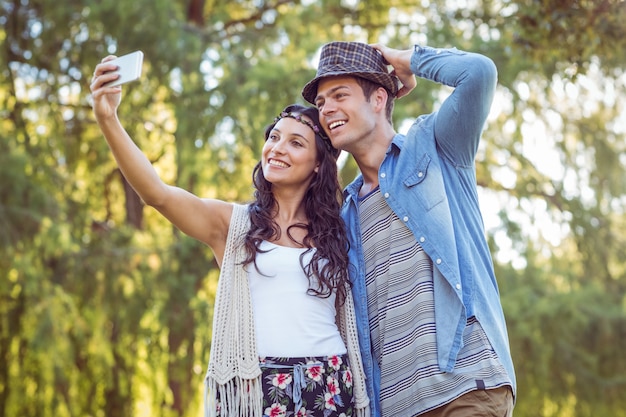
380	97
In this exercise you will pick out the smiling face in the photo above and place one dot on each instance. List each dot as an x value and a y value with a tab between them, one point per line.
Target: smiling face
345	114
290	154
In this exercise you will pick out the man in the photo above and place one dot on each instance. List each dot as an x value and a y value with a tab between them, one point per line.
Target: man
432	331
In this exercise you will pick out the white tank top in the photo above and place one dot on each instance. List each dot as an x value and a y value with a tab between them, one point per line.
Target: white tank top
288	321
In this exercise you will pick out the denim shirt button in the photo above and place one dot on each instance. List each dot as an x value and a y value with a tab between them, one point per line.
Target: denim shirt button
383	175
422	239
386	195
420	174
405	219
438	261
458	286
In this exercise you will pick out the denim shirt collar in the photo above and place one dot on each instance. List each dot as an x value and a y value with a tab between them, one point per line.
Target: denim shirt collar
351	192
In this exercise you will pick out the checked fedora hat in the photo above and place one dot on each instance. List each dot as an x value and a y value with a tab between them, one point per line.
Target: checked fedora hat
354	59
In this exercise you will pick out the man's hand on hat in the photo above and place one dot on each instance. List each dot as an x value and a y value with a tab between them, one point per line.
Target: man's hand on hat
400	60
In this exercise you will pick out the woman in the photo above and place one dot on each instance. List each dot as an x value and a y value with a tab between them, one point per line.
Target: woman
284	334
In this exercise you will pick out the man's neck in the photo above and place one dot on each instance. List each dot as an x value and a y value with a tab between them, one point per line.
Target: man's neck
369	159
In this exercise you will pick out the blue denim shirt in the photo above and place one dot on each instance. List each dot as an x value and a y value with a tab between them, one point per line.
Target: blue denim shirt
428	179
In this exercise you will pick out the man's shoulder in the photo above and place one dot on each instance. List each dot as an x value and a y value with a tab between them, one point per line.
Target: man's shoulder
422	129
422	122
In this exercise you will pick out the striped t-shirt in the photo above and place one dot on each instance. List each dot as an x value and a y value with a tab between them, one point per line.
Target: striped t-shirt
400	294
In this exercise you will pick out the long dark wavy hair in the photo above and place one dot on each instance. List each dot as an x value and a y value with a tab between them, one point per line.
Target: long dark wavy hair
328	269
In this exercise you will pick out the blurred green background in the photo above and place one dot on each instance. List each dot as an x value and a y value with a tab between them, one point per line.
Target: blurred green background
106	310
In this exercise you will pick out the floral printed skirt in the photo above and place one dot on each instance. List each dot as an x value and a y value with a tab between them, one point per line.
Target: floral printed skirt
307	387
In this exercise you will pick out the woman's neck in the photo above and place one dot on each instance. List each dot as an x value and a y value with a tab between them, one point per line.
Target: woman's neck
290	212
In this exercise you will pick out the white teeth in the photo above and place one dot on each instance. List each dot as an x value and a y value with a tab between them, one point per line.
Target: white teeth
336	124
278	163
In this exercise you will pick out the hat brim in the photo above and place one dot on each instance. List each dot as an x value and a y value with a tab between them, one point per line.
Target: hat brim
389	81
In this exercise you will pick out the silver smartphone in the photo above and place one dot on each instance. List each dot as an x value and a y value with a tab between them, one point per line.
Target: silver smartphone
129	68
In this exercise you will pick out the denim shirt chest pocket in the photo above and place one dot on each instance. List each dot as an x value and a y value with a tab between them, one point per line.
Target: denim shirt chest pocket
425	183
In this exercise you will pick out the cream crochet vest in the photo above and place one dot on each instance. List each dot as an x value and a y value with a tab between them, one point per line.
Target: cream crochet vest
233	369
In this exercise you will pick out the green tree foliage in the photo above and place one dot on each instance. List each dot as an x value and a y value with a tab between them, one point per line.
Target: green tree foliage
105	309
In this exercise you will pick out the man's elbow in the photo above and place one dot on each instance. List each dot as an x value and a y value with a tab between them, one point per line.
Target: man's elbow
486	69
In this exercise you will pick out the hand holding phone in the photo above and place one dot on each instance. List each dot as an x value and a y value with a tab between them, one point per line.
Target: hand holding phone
128	67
